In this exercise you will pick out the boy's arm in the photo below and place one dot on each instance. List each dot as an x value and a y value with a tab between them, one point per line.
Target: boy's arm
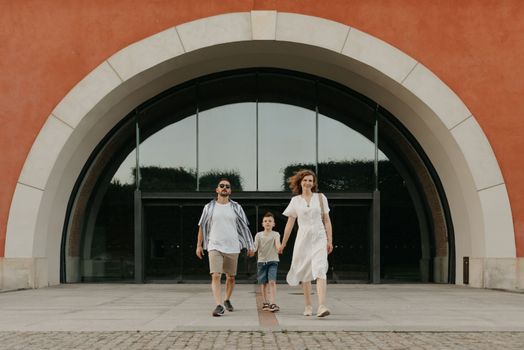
277	242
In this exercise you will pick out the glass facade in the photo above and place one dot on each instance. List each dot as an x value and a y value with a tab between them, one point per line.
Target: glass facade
287	138
227	146
255	128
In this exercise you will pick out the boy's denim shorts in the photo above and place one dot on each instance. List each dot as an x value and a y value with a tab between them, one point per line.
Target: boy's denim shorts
267	271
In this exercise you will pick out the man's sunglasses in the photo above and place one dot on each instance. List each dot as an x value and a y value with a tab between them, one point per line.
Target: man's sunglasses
224	185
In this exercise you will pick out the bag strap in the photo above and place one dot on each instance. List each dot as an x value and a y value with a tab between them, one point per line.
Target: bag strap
320	199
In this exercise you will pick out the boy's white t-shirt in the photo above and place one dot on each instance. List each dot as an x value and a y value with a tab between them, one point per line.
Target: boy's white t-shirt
265	246
223	235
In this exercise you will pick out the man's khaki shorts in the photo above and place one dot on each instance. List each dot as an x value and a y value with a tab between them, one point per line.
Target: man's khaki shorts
223	262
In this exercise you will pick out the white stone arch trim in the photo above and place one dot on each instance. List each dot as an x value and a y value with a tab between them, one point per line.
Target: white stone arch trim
127	70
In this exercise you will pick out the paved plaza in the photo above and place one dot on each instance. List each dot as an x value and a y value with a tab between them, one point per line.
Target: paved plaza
173	316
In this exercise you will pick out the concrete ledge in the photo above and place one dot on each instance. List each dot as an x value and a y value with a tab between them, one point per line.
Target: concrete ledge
497	273
146	53
264	25
437	96
87	94
44	152
215	30
22	220
478	153
310	30
476	272
378	54
520	273
22	273
499	238
500	273
73	269
440	269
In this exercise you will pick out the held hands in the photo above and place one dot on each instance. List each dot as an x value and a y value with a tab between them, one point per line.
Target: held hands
199	252
329	247
250	253
281	250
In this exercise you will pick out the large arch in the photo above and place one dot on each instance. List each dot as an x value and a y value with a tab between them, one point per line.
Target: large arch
442	124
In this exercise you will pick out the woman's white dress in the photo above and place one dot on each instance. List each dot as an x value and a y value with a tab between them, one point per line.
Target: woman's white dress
310	250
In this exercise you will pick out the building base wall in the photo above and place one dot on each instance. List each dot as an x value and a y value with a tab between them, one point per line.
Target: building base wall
440	269
23	273
490	273
497	273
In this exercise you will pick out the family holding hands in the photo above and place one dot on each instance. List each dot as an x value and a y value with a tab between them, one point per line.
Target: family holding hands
223	231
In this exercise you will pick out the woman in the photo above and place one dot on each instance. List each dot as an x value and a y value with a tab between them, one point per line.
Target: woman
314	238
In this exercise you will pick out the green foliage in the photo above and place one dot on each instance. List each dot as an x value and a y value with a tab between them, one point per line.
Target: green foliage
157	179
391	185
209	180
354	176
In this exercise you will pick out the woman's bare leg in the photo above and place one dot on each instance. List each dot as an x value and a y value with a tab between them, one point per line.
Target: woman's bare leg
306	287
321	291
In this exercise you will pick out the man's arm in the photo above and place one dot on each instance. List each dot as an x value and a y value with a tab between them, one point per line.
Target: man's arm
245	232
199	249
251	253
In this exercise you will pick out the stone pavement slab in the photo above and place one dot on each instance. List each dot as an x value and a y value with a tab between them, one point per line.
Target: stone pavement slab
176	316
187	307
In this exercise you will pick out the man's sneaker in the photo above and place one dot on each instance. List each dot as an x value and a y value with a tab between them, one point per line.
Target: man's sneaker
219	311
323	311
228	305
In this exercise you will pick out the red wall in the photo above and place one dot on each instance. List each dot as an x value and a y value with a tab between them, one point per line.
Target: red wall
475	47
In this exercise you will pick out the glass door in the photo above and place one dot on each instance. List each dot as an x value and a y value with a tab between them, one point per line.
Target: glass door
350	260
170	233
163	242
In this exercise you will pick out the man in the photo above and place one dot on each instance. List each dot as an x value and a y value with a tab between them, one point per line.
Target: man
223	231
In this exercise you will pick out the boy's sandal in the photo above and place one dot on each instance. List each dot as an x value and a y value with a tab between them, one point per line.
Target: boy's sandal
274	308
266	306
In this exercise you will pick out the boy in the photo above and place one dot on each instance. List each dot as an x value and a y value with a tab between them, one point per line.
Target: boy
267	244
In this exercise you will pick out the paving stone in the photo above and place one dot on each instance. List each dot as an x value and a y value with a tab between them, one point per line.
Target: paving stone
262	340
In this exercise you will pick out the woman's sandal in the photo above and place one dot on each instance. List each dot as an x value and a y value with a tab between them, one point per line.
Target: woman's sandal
266	307
274	308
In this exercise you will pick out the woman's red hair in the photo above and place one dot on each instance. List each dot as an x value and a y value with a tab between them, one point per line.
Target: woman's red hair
295	180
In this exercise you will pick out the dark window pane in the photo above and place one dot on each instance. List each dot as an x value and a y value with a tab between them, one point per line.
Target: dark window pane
107	249
163	242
